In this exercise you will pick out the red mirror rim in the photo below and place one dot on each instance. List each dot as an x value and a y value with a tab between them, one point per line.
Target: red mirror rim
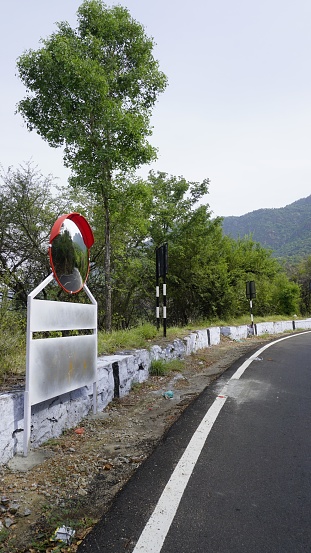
87	236
81	223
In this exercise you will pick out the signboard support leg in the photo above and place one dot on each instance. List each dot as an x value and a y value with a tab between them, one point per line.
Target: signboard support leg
94	302
27	422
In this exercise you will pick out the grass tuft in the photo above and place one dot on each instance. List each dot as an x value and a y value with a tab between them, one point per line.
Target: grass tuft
160	367
135	338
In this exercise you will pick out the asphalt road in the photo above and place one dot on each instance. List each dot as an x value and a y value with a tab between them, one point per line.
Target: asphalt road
233	475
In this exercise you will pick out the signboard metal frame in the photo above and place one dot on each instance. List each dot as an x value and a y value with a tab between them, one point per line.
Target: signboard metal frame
58	365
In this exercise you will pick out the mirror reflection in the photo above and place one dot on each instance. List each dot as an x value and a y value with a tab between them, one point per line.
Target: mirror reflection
70	257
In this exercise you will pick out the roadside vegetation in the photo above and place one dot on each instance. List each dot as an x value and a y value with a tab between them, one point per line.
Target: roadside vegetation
13	342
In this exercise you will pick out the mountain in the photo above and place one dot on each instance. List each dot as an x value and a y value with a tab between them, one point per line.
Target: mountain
285	230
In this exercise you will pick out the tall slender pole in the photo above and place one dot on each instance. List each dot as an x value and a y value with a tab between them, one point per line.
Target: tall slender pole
161	270
251	312
158	303
164	305
250	294
158	271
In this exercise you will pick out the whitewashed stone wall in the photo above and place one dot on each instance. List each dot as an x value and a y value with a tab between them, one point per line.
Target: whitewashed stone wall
235	332
116	375
302	325
283	326
265	328
214	335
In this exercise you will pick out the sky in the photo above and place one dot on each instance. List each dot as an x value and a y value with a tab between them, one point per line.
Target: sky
237	109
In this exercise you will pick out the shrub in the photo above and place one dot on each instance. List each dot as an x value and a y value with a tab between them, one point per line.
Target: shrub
161	368
12	344
158	368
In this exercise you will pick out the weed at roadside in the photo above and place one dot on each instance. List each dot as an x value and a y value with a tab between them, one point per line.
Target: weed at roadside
160	367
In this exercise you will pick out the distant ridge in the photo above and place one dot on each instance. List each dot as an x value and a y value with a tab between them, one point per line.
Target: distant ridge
285	230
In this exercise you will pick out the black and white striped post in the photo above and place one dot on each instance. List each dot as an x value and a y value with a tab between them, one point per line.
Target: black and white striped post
161	271
250	294
157	301
164	304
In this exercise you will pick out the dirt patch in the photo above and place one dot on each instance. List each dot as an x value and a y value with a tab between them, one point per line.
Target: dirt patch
87	466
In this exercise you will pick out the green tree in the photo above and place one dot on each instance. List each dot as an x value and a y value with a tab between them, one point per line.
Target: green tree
248	260
276	293
129	260
286	296
197	278
198	284
174	199
300	273
92	90
28	211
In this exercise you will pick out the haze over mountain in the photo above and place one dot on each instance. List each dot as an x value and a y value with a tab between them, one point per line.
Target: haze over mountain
285	230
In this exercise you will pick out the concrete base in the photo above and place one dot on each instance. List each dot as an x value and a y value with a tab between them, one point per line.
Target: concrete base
34	458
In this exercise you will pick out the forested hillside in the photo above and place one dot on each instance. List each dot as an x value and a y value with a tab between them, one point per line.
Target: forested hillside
287	230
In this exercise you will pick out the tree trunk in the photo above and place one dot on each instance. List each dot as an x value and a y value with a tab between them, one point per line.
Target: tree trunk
107	267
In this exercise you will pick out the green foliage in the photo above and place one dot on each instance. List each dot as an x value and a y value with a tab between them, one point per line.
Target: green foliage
92	90
4	533
174	200
126	339
193	240
12	342
286	296
158	367
175	365
207	270
300	273
129	227
28	211
248	260
161	368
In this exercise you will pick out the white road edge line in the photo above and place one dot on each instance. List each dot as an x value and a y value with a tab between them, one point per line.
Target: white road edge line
152	537
156	529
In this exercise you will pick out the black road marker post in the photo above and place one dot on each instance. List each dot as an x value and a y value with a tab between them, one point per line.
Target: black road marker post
250	294
164	305
157	299
161	271
116	378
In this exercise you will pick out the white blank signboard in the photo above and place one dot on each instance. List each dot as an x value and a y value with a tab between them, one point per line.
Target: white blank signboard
60	365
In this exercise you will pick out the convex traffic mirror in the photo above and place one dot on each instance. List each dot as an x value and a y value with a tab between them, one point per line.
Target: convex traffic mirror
70	241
